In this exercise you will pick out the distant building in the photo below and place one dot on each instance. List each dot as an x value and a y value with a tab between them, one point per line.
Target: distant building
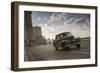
49	41
37	37
32	35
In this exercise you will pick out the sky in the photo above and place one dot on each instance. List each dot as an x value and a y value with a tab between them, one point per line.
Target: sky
53	23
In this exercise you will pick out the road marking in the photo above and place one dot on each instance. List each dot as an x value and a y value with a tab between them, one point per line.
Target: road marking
26	56
82	52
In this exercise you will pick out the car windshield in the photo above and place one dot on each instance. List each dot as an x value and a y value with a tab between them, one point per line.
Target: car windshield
63	35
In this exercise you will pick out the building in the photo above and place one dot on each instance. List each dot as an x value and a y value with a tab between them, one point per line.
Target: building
27	29
32	35
27	33
37	37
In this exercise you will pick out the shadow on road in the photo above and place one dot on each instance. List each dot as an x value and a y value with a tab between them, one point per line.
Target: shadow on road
69	49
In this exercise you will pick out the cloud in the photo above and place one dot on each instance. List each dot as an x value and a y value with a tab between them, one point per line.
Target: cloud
76	30
57	18
53	23
51	32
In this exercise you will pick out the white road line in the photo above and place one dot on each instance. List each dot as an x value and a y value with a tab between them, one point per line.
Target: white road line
26	57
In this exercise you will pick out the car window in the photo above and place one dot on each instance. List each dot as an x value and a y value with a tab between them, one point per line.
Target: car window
57	37
61	36
69	34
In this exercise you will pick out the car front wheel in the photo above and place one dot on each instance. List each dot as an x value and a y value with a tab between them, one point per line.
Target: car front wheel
78	45
56	48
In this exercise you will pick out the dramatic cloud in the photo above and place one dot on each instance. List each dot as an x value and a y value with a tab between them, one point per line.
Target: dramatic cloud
53	23
57	17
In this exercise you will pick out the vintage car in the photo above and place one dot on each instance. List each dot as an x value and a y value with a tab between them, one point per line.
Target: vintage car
66	40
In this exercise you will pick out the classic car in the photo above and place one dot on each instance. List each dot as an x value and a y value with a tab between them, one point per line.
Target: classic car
66	40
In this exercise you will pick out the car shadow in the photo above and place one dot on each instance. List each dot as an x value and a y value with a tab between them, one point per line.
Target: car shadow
69	49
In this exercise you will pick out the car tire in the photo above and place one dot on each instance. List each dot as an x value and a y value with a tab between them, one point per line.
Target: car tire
63	44
56	48
78	45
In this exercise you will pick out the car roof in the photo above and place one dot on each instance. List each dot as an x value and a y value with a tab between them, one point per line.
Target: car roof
63	33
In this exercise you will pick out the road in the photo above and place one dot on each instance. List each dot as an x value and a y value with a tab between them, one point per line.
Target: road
48	52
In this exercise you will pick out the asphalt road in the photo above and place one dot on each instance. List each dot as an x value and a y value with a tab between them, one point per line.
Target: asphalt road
48	52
